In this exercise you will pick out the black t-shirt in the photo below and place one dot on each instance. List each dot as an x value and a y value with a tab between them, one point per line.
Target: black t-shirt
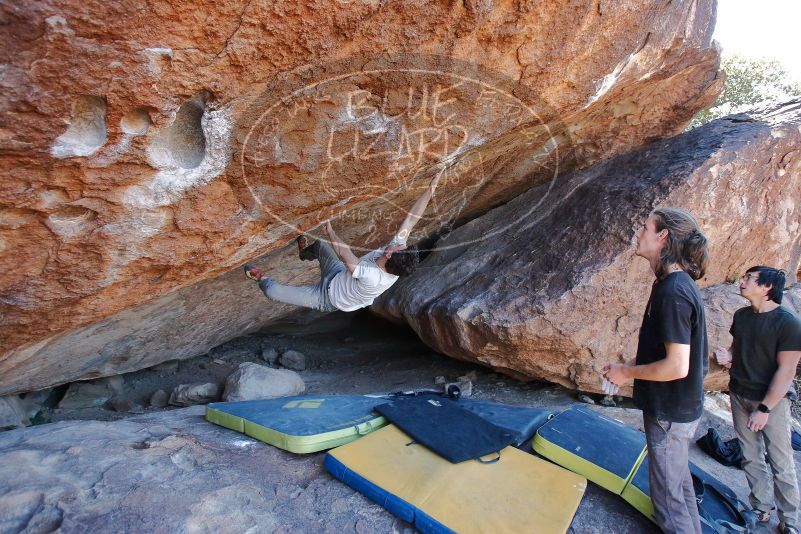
758	338
675	314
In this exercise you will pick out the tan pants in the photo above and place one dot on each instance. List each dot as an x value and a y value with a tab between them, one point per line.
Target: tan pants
774	440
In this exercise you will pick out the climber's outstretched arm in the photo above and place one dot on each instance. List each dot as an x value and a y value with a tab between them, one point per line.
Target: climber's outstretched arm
418	209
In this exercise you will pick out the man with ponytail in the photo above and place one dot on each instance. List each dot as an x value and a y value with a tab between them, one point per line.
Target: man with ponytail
763	359
671	362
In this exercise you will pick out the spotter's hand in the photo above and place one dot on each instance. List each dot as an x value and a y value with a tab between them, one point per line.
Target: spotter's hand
723	357
617	374
757	420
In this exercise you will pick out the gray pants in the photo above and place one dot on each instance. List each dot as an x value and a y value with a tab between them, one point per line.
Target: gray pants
774	440
313	296
669	478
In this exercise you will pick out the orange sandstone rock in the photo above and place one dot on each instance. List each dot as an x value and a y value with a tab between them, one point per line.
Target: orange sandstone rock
136	167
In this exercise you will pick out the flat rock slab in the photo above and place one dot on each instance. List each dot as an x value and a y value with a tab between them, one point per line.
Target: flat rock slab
169	472
174	472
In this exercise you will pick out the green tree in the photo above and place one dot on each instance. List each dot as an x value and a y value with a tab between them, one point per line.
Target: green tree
749	82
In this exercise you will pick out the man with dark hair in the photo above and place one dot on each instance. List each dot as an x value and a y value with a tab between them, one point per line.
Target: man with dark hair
347	282
763	359
671	362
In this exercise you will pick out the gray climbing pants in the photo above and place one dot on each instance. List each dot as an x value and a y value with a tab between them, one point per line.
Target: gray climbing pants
669	478
312	296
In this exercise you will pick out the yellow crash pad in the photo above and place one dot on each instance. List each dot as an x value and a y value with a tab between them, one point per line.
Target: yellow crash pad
518	493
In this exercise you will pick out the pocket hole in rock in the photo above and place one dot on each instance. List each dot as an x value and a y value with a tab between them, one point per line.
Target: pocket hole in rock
184	140
136	122
71	221
87	129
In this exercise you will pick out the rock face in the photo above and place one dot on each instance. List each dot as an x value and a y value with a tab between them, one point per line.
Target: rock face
558	294
147	150
294	360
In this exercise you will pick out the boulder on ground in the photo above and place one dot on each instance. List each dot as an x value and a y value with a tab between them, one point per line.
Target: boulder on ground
294	360
253	381
190	394
269	355
123	405
92	394
12	413
159	399
547	285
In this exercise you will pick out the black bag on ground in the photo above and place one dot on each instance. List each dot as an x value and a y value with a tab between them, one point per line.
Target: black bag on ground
795	439
725	452
446	428
720	510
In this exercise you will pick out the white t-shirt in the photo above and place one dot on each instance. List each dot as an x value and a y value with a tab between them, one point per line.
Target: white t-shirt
349	292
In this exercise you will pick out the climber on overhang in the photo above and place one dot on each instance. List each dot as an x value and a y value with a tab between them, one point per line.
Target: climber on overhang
347	282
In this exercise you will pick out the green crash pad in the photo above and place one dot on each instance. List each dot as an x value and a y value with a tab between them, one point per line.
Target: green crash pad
302	424
614	456
605	451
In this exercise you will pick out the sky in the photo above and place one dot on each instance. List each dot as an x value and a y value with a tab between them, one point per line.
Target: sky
762	28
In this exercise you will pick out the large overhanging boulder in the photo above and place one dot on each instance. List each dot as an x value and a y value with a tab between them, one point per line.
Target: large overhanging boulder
150	147
557	294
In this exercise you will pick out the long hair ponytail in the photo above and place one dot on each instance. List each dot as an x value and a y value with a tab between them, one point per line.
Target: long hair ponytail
685	246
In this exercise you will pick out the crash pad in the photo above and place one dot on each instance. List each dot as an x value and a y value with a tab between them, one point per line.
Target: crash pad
445	427
521	421
517	493
600	448
301	424
615	457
